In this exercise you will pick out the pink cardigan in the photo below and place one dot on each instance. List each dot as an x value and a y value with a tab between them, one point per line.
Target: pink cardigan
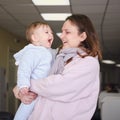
71	95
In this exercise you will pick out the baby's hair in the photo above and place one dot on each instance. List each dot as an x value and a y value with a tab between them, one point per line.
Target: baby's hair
31	28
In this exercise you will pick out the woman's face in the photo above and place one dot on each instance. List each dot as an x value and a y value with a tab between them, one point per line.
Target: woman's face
71	38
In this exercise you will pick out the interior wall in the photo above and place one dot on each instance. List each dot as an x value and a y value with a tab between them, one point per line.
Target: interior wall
8	43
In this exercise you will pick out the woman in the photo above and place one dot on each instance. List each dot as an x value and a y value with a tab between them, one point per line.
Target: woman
71	91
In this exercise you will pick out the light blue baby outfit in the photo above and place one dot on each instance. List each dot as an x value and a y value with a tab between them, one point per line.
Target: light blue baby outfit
34	62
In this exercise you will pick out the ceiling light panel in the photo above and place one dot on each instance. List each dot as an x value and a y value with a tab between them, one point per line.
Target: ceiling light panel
55	16
117	65
108	61
51	2
58	34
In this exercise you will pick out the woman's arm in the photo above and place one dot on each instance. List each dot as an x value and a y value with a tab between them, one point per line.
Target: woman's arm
78	80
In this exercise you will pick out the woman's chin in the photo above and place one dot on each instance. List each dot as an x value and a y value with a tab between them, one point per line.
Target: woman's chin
65	47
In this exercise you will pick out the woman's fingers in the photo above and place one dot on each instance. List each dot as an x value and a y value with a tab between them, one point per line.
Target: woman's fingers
16	91
27	98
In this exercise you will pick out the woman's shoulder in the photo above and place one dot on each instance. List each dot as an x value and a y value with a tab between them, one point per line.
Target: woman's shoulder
83	65
88	61
91	59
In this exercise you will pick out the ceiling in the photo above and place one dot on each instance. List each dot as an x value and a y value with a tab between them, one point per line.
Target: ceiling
15	15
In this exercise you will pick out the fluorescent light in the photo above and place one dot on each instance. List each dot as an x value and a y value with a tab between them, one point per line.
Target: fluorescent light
58	34
117	65
55	16
51	2
108	61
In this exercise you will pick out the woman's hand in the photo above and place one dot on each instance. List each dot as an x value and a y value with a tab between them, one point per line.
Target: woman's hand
16	91
25	98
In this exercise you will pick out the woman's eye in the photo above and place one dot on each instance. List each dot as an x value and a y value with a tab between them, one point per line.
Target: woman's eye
67	32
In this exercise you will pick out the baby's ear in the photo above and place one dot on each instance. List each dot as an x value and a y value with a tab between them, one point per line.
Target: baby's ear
32	37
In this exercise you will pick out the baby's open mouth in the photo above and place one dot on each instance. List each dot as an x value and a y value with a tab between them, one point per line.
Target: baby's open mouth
50	40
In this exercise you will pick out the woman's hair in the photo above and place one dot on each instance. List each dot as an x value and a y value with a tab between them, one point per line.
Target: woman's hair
91	43
32	27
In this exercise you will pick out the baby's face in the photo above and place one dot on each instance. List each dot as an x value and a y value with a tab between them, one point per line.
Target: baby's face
43	36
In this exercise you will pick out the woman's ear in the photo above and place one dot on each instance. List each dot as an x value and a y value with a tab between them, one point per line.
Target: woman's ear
83	36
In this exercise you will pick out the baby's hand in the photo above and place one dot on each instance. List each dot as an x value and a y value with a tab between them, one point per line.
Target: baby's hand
24	90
